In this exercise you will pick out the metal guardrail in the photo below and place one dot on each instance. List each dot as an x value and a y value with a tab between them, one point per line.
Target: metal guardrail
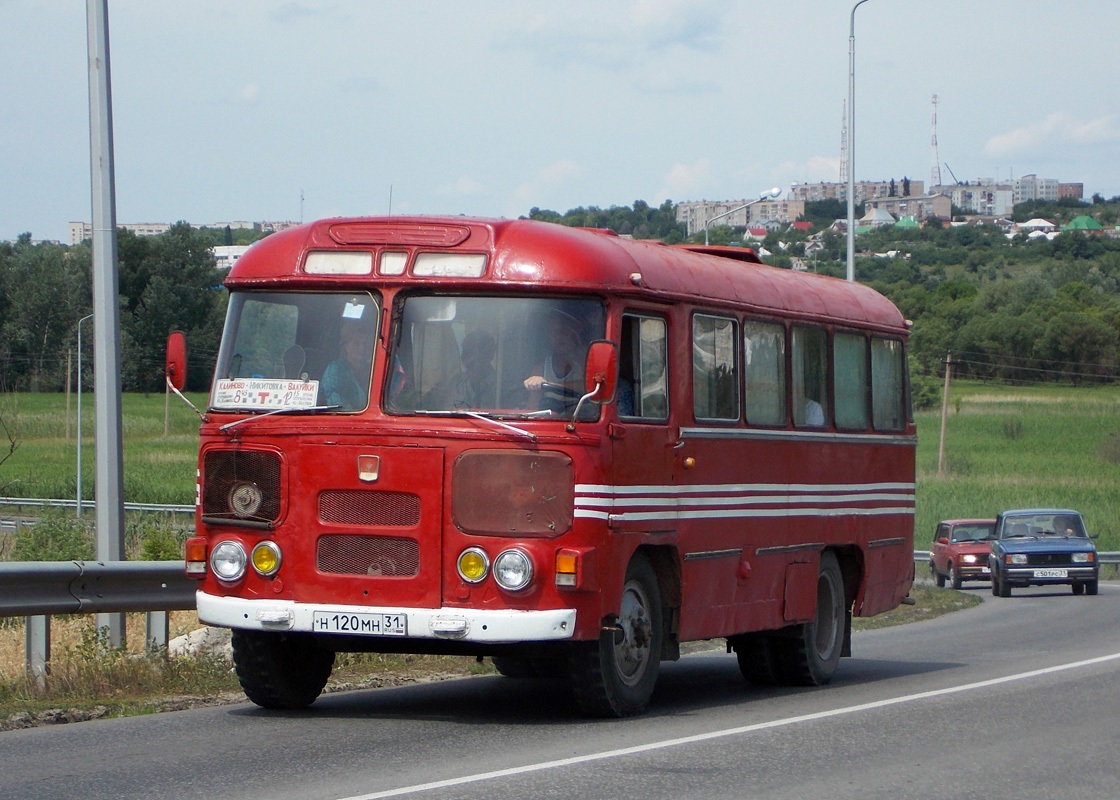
30	588
36	502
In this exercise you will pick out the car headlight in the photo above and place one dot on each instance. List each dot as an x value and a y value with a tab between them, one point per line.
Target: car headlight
969	559
513	570
228	561
245	499
1016	558
1082	558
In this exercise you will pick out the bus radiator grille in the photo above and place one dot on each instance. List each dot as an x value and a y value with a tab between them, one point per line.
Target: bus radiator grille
370	508
348	554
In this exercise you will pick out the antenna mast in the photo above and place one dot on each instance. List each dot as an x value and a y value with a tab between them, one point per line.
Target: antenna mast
844	144
935	168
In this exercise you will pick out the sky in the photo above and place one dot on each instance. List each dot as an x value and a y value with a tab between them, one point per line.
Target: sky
297	110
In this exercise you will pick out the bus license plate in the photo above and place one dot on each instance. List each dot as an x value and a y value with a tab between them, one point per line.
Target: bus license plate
361	624
1051	573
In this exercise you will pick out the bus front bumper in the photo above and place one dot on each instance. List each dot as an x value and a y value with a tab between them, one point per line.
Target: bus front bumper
457	624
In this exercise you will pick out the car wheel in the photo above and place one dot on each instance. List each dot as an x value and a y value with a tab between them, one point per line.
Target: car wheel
1078	588
1004	587
938	578
955	577
1091	587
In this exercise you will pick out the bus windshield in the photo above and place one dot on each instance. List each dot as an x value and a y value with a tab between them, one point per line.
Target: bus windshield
512	356
292	351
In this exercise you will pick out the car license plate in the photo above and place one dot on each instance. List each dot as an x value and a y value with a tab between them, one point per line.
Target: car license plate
985	571
1051	573
361	624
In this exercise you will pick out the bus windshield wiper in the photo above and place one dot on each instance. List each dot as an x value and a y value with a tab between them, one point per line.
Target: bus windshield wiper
459	412
255	417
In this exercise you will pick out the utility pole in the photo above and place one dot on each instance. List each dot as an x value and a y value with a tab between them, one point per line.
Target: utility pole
109	513
944	415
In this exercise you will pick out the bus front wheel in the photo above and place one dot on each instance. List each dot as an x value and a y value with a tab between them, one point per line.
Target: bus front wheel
616	675
278	670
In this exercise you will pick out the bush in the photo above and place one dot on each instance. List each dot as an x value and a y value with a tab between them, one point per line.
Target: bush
55	537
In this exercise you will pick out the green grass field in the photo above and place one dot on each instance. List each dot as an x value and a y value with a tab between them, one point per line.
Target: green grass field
1006	447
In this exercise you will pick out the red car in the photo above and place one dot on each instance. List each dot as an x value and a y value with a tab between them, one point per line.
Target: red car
959	551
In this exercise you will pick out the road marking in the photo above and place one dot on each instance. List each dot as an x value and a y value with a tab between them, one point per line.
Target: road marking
704	737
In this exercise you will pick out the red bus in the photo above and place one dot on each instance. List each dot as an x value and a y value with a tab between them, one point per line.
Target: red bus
560	448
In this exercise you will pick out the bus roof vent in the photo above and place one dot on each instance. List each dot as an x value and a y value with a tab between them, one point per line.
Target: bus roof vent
736	253
419	234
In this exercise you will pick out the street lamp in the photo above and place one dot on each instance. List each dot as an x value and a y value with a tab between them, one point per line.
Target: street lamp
83	319
852	144
769	194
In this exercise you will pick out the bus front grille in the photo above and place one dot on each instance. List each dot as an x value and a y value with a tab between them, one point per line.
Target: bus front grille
369	508
350	554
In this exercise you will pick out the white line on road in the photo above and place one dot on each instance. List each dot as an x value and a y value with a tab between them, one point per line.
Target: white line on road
720	734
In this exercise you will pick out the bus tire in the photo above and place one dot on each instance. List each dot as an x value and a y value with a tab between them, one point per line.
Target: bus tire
534	667
809	655
278	670
615	676
757	658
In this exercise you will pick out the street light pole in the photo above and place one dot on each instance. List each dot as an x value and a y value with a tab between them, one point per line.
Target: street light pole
852	144
769	194
79	498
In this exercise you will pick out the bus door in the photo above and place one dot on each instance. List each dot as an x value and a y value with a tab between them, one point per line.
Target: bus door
642	441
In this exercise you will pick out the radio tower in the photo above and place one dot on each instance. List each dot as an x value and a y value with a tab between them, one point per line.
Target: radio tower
935	168
844	145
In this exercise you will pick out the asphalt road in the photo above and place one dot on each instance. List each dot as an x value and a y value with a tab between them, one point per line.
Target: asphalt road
1017	698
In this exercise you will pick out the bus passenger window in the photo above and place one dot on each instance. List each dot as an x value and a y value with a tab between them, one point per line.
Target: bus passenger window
810	377
715	368
642	369
849	358
764	356
886	384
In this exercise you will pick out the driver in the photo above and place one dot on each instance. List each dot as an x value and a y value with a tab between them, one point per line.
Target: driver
556	382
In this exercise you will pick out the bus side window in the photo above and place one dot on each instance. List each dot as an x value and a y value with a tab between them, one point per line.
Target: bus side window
809	350
887	384
715	368
849	360
643	371
764	356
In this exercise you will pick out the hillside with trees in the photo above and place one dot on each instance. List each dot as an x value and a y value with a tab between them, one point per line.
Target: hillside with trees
1008	308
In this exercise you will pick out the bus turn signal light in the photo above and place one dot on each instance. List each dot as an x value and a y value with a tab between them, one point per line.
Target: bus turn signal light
194	553
567	568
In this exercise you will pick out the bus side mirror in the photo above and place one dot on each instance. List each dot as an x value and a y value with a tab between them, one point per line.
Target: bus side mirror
601	377
176	370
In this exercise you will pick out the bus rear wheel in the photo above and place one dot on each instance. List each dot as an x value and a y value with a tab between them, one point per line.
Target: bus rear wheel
616	675
757	658
278	670
808	654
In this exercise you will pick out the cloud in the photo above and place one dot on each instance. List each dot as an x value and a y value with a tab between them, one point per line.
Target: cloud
666	83
686	181
1056	129
463	186
548	178
249	93
617	36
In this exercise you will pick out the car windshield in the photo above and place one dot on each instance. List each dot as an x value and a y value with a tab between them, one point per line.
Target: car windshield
1043	524
501	356
296	351
973	533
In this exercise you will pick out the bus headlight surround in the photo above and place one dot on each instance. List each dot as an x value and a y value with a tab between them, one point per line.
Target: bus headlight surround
513	570
266	559
473	565
228	561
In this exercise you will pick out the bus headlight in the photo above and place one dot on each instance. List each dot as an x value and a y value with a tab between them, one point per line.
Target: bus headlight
266	559
473	565
513	570
228	560
245	499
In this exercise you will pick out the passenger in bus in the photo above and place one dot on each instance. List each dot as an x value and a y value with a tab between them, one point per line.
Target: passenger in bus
345	381
475	385
814	414
557	382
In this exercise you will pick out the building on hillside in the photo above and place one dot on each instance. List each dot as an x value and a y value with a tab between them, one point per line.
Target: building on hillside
738	214
78	232
226	255
920	208
1032	187
1085	224
863	190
